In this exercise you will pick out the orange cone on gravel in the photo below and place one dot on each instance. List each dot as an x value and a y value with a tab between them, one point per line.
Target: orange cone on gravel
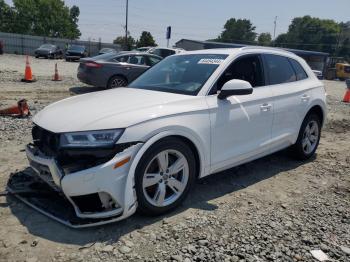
28	76
21	109
346	98
56	76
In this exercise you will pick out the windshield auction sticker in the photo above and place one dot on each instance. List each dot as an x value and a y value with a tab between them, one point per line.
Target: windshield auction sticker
210	61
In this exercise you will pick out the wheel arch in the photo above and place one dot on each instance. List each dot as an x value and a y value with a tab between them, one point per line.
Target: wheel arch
194	144
318	110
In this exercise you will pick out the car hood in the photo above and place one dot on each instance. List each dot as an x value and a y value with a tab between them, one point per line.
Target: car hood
116	108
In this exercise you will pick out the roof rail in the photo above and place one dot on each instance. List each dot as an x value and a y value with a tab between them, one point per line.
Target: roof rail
266	48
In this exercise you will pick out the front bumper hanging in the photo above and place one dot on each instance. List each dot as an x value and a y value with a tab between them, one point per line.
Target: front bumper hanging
33	191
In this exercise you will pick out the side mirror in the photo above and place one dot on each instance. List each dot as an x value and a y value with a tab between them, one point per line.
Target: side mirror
235	87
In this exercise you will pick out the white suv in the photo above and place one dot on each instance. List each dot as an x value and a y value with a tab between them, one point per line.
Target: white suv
191	115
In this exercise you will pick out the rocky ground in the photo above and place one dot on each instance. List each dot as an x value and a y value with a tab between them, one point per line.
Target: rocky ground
272	209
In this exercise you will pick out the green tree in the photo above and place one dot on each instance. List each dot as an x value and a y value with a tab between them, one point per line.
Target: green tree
146	39
7	17
238	31
310	33
265	39
44	18
120	40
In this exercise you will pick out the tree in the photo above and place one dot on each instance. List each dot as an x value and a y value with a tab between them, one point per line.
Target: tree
7	17
146	39
265	39
238	31
120	40
311	33
44	18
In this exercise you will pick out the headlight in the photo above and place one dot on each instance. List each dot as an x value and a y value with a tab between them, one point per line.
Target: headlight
100	138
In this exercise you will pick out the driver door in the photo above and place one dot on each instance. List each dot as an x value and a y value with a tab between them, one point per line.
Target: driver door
240	125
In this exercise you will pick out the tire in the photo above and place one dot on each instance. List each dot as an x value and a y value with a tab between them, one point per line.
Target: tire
310	131
150	189
117	81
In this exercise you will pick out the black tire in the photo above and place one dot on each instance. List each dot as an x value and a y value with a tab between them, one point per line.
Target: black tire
298	151
117	81
144	206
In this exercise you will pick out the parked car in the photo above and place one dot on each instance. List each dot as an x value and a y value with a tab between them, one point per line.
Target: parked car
75	52
164	52
144	48
48	51
191	115
106	50
115	70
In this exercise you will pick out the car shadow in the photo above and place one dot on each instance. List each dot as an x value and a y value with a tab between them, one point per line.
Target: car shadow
79	90
206	189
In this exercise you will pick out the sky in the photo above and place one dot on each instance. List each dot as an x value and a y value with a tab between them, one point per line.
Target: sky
195	19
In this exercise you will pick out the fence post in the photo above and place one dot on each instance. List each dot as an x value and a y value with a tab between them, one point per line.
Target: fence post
22	44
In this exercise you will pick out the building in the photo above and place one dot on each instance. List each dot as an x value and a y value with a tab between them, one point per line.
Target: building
316	60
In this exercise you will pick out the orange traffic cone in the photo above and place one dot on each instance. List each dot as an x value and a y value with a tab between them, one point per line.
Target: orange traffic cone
56	76
28	77
346	98
21	109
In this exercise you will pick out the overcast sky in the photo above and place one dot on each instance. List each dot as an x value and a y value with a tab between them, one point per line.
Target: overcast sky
196	19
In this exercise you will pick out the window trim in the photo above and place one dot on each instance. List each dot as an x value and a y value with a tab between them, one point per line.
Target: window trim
241	56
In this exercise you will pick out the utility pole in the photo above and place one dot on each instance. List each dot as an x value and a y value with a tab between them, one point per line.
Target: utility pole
126	24
274	29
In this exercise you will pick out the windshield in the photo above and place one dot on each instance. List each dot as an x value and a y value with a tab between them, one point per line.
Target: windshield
46	46
76	48
182	74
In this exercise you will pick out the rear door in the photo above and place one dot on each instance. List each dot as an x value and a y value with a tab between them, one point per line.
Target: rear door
291	93
136	66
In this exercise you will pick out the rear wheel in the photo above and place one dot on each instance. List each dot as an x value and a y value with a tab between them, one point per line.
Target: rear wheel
308	139
164	176
117	81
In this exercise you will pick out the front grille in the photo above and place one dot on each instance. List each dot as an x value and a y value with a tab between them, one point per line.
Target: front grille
46	141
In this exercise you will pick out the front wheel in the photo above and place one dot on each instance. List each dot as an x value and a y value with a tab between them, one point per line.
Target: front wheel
164	176
308	138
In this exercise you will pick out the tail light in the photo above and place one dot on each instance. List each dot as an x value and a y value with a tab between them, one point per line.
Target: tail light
93	64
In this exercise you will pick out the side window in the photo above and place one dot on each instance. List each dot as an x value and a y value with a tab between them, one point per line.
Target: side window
151	61
137	60
166	52
299	70
248	68
123	59
279	70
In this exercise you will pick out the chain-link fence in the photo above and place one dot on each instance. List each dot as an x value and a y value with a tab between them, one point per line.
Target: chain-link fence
26	44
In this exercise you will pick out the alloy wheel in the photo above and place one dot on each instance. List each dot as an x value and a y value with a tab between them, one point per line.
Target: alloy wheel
165	178
118	82
310	137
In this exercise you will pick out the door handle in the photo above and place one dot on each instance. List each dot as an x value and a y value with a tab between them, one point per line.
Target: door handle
265	107
305	98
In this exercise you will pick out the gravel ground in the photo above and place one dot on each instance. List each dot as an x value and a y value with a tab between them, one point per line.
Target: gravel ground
272	209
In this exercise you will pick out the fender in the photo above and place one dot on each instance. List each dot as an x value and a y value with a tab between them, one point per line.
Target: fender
130	194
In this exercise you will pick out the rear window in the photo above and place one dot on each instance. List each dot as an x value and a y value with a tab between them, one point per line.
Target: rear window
299	70
279	70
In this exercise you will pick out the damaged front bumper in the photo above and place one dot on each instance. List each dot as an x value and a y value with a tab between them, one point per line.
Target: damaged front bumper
90	197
